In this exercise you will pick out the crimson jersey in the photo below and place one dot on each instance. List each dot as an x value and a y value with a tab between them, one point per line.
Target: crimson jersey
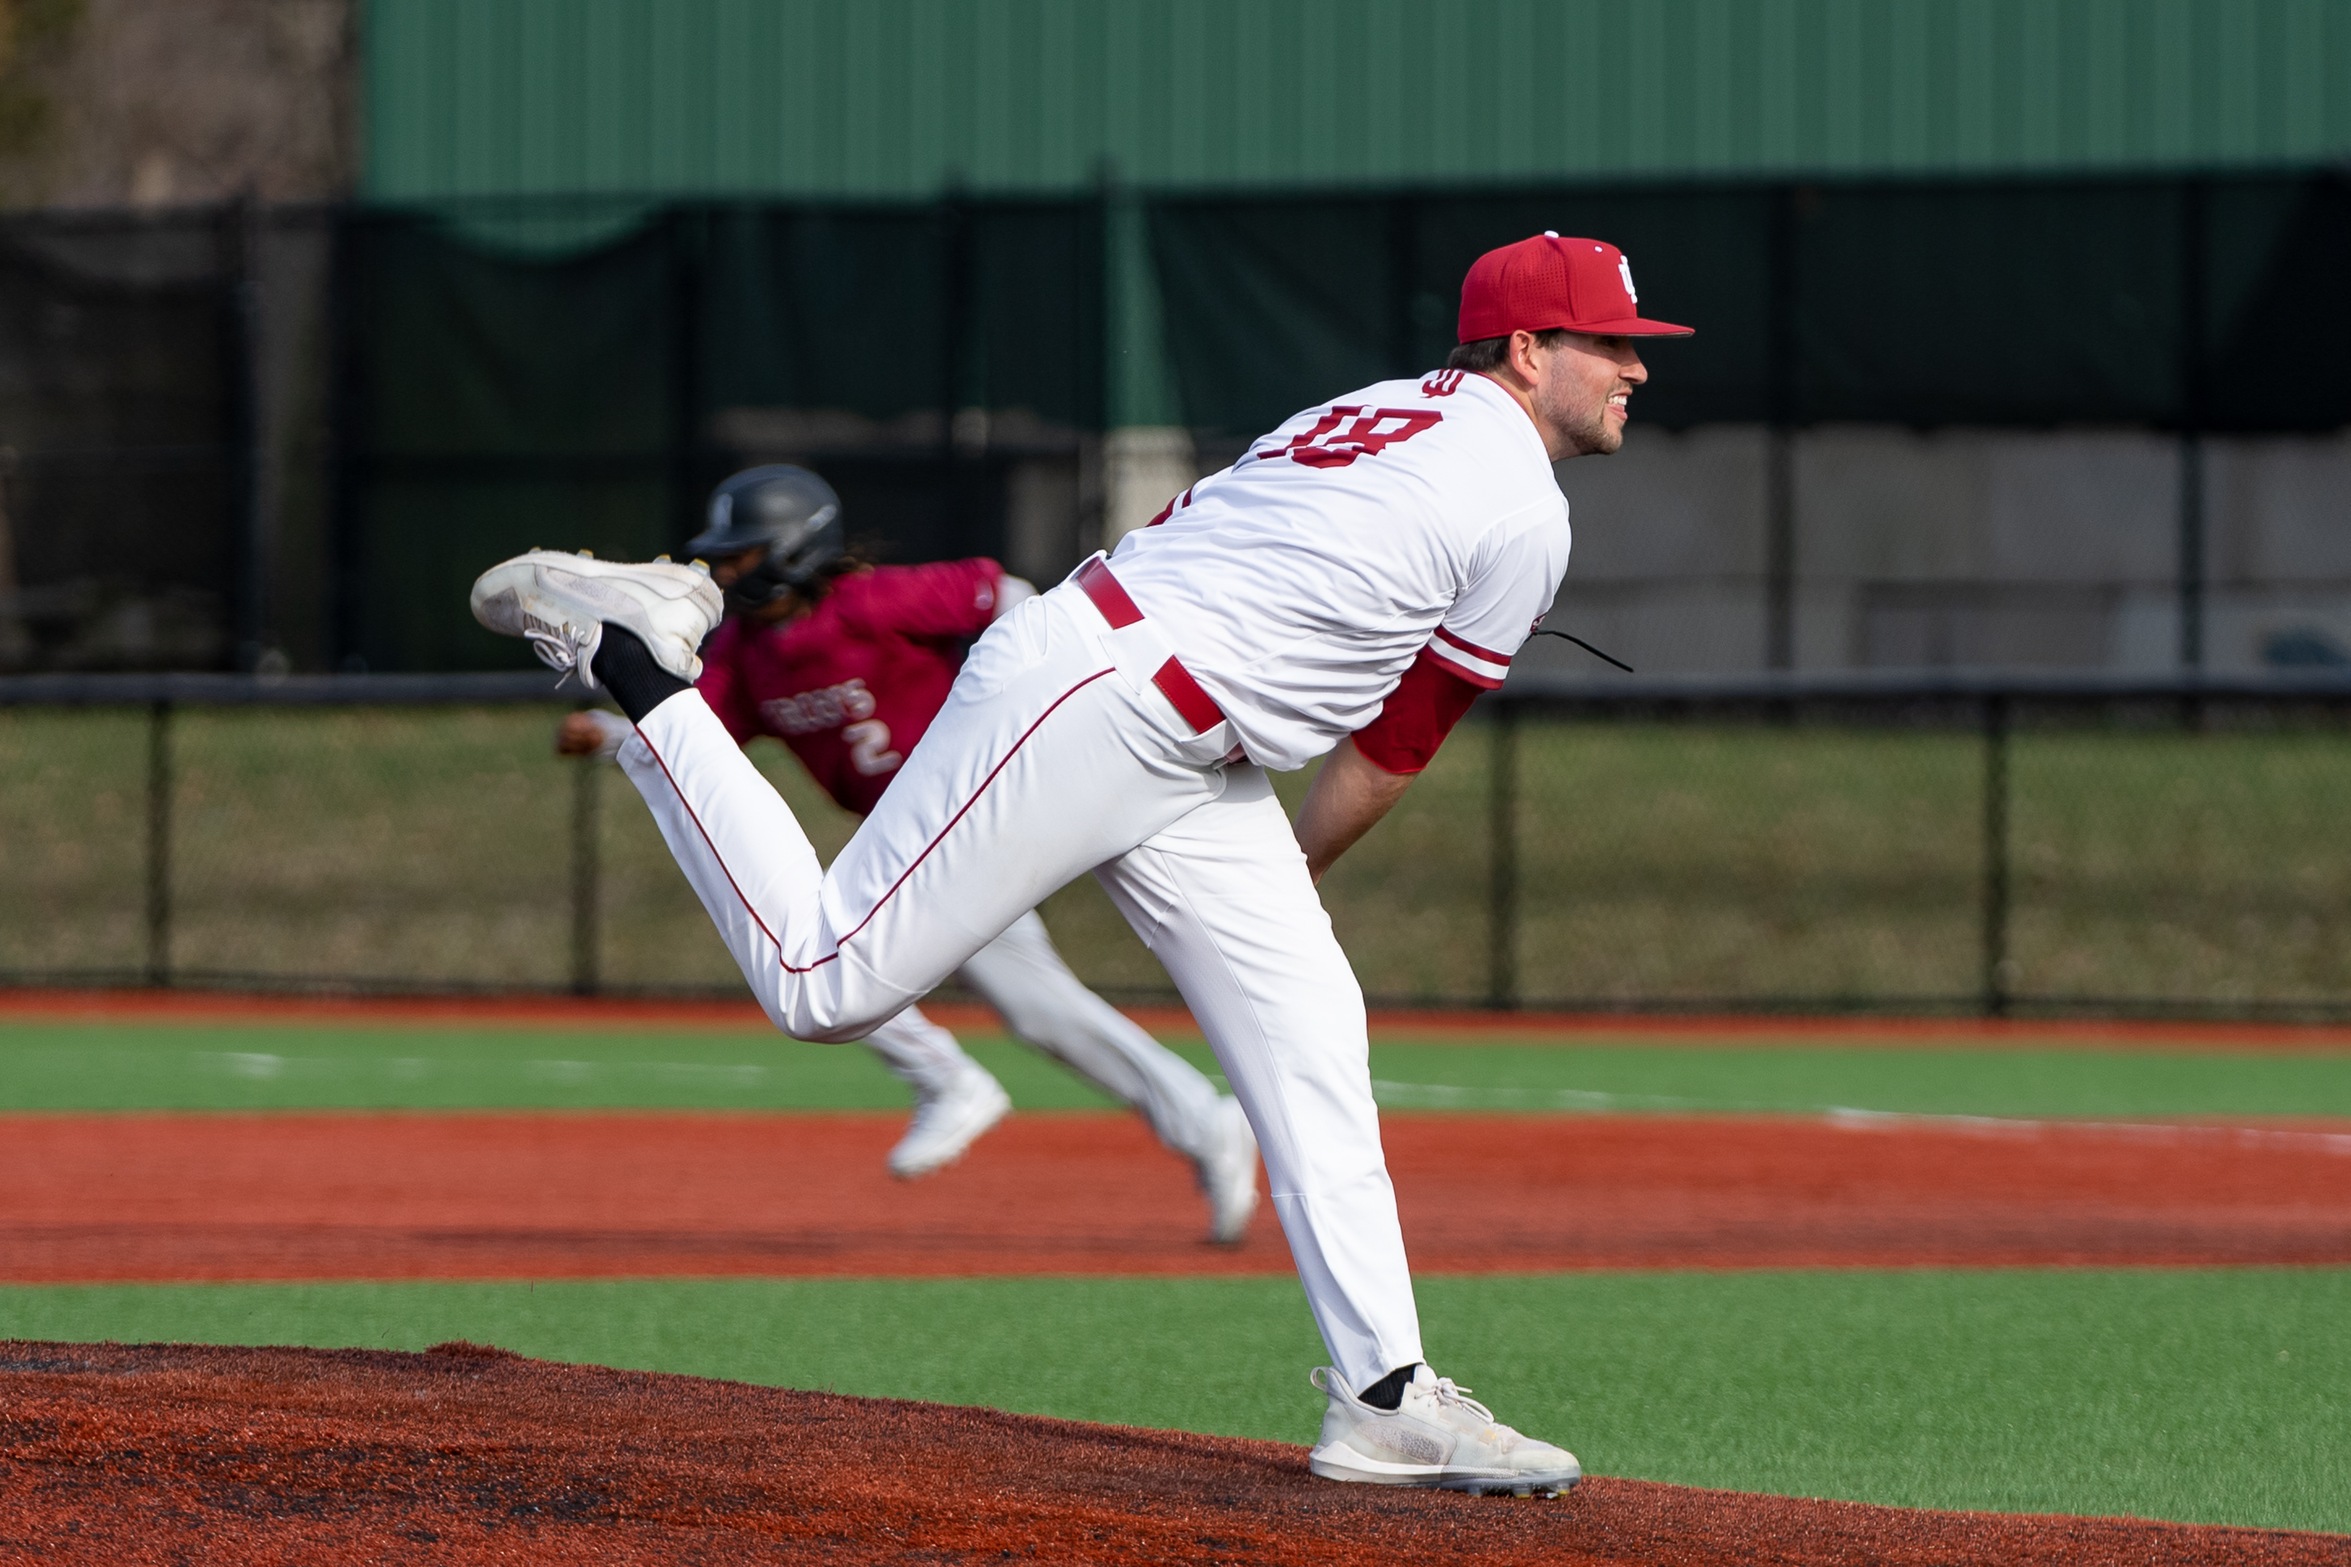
852	685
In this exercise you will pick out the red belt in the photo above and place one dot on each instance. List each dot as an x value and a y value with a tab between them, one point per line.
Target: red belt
1174	681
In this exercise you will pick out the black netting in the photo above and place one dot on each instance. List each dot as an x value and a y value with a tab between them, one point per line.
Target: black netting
2045	305
502	394
118	417
2281	315
1273	305
2024	303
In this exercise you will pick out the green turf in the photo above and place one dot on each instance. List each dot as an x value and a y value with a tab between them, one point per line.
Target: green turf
74	1067
2222	1396
1955	1081
170	1066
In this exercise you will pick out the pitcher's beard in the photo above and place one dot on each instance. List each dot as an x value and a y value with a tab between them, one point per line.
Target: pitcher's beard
1589	432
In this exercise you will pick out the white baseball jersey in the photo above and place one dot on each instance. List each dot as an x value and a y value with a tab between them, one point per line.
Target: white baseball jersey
1297	587
1299	584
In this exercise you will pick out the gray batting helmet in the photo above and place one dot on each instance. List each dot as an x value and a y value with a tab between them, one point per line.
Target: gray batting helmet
789	512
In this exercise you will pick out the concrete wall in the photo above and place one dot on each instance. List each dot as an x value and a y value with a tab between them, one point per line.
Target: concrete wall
2039	550
2052	550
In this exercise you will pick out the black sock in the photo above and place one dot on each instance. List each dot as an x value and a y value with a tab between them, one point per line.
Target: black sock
626	668
1388	1391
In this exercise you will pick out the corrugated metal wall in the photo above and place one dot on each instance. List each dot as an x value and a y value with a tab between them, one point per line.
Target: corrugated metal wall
906	97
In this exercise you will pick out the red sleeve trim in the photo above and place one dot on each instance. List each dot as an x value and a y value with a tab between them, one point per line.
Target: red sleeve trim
1171	508
1417	716
1467	646
1487	677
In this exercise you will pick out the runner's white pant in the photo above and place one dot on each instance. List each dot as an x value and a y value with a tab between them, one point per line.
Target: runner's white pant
1055	755
1049	1008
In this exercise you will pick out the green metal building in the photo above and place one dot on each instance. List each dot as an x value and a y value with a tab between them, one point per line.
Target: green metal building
912	99
909	98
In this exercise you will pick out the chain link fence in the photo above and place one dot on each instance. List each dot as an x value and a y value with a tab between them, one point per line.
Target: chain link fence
1979	846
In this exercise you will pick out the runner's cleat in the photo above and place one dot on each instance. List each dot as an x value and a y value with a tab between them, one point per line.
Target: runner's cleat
561	603
949	1119
1228	1174
1437	1437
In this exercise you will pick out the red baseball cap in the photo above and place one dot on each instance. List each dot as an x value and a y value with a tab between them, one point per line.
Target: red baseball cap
1584	285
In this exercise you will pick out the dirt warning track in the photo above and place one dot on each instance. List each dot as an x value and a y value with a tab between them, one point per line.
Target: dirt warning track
131	1455
321	1196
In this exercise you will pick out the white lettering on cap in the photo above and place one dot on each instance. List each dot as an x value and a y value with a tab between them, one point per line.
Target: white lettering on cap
1624	269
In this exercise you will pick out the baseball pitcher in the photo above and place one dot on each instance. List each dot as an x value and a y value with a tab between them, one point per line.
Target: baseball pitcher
1343	591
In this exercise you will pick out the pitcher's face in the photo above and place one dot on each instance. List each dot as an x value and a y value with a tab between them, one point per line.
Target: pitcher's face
1582	391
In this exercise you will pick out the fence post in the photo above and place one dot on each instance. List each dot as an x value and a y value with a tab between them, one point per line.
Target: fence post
241	239
1995	913
1502	838
2194	368
159	792
688	234
351	472
586	868
1785	397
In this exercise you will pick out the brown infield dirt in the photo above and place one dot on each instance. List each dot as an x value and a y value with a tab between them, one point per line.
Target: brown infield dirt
133	1455
88	1198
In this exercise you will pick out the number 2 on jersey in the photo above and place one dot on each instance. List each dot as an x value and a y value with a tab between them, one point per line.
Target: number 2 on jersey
1343	434
869	747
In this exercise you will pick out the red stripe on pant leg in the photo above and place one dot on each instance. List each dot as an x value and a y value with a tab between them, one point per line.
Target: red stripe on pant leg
711	846
901	877
961	811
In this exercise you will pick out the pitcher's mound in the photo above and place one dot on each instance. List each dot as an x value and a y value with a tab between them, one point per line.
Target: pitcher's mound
173	1453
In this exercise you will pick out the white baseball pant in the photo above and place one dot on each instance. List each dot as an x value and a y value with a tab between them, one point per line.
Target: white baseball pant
1055	755
917	1051
1050	1009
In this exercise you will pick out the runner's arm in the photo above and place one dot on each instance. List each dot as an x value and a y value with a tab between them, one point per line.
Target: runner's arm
948	600
1010	590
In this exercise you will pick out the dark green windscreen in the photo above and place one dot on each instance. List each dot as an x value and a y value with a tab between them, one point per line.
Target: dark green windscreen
2039	303
499	396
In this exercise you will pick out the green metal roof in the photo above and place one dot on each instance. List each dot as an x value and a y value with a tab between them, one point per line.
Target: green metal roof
895	98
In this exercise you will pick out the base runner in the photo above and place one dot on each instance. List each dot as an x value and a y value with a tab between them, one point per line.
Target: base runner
846	664
1344	590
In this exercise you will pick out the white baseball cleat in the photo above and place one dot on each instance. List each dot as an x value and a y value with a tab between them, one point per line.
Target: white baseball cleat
1228	1174
1438	1437
948	1119
561	603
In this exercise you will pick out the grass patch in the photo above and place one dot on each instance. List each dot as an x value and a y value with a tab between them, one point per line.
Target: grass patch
108	1066
1696	862
2215	1396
